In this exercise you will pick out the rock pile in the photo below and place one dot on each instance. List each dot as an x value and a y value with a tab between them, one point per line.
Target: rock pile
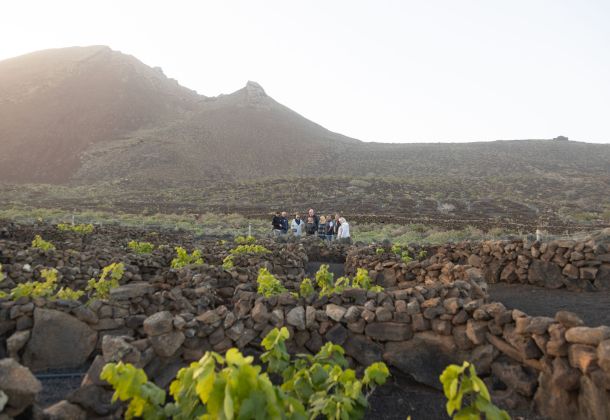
576	265
432	313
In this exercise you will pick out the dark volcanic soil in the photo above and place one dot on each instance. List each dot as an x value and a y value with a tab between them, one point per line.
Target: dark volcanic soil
592	307
58	383
401	397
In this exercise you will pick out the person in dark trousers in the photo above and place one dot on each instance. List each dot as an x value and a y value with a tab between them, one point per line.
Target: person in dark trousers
310	227
277	224
322	228
312	213
284	223
337	225
330	227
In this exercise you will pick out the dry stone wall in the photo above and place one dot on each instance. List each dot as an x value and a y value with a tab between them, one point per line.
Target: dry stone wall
576	265
433	312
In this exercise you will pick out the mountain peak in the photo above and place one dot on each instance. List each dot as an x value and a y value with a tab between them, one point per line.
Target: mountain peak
255	88
255	94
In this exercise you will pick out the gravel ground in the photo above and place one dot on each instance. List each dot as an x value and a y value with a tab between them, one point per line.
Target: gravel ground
401	397
592	307
58	383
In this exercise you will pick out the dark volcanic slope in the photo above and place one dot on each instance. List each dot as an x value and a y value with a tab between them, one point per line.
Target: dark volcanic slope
92	114
245	134
56	103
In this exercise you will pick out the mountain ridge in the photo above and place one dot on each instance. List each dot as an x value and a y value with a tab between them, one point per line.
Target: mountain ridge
91	114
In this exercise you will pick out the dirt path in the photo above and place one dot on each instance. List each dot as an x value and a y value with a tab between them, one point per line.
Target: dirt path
592	307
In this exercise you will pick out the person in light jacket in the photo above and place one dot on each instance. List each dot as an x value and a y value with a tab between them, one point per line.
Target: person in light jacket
343	232
297	225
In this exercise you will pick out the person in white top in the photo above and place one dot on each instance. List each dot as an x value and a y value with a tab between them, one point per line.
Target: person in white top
343	232
297	225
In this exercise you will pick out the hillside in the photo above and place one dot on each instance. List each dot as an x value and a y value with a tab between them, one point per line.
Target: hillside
54	104
111	132
246	134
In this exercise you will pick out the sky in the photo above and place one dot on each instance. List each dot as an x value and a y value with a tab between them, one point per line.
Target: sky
392	71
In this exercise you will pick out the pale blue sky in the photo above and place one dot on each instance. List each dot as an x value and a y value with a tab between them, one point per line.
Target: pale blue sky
402	71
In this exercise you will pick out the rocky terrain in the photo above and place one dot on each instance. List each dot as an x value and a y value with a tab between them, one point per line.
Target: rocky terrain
435	309
110	132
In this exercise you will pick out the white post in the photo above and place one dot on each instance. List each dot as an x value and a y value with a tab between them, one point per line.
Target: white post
538	235
72	219
250	229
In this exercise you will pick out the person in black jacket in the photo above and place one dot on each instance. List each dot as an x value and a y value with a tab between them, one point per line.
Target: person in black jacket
330	227
316	220
284	223
277	224
310	227
336	226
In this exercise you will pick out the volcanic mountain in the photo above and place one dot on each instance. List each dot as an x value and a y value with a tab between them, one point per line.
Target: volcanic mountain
54	104
91	113
85	115
120	134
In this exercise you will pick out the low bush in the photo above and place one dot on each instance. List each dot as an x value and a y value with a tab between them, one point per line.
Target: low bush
306	288
328	286
109	279
41	289
228	262
245	240
183	258
83	229
232	387
40	243
268	284
141	247
249	249
37	289
467	396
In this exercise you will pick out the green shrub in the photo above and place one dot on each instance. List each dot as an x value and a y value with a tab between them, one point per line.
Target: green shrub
379	251
131	384
66	293
40	243
183	258
322	382
306	288
362	280
467	396
228	262
109	279
81	229
141	247
268	285
245	240
41	289
215	387
249	249
325	280
37	289
232	387
405	257
328	286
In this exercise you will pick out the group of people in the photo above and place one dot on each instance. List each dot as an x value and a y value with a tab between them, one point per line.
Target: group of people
326	227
